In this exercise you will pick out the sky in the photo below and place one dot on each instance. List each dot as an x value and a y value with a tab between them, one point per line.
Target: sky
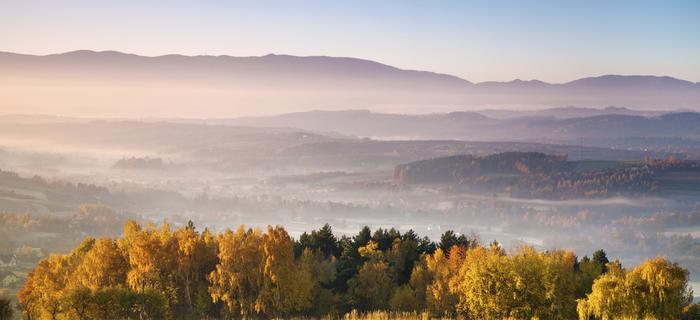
553	41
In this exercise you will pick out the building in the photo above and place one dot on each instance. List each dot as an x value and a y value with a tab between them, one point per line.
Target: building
8	260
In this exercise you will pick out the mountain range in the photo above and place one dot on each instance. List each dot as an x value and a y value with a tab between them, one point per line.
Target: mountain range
617	128
110	83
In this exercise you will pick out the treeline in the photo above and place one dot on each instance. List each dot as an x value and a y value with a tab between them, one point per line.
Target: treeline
155	272
139	163
59	190
53	233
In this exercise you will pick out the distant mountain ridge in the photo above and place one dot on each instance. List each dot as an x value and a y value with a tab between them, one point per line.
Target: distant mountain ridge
93	83
610	127
344	64
631	129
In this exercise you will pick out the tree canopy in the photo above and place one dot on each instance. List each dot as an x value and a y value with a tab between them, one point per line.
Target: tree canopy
157	272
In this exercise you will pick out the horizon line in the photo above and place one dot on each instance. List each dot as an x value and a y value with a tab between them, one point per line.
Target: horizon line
344	57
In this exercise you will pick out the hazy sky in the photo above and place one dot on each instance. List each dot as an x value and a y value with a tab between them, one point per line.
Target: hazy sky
478	40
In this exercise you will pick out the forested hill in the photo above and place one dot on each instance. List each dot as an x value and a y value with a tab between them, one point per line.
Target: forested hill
155	272
536	175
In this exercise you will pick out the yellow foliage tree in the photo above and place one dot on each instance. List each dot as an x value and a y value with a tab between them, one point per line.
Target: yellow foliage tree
656	289
440	299
486	286
237	279
103	266
286	287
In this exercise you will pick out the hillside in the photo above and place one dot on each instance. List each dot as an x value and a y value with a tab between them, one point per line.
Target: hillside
536	175
227	147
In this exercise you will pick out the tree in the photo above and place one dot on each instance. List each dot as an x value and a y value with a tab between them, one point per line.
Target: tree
420	279
203	304
348	264
384	238
42	294
286	288
193	261
691	312
152	261
237	279
403	300
588	271
350	259
114	303
156	273
425	245
371	251
371	288
154	303
561	282
103	266
28	299
324	241
607	299
487	287
527	269
449	239
79	301
402	256
440	299
6	311
601	259
206	261
656	289
323	273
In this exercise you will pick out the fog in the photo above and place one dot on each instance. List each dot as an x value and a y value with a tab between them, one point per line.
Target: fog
90	140
220	176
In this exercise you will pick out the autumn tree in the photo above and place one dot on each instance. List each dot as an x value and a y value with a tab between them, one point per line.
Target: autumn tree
237	279
103	266
156	272
286	288
561	282
487	286
196	257
152	255
607	298
42	295
656	289
440	298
